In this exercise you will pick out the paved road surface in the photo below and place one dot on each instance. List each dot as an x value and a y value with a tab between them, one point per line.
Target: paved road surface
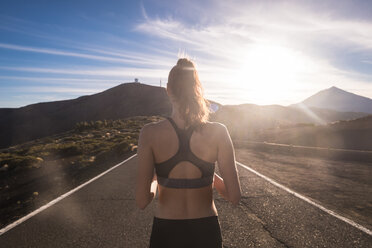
103	214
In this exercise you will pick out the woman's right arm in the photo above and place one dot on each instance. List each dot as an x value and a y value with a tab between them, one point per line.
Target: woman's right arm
228	186
146	178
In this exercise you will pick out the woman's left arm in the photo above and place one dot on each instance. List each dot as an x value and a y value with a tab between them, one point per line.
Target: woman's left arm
146	180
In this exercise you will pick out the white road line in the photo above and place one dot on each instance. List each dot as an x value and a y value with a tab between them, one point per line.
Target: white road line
51	203
360	227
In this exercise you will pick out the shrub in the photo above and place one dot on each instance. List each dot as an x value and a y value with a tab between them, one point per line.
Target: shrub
81	126
121	148
69	149
14	160
35	149
103	155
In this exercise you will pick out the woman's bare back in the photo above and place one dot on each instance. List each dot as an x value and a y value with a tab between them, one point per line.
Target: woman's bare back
184	203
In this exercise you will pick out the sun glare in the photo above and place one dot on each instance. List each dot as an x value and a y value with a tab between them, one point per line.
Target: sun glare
266	71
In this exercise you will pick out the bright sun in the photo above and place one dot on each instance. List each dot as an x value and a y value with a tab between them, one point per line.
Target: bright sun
267	71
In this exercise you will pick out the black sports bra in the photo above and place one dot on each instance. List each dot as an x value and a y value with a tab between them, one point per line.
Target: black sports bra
184	153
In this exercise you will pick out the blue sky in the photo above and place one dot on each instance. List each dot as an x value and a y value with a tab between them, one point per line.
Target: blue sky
263	52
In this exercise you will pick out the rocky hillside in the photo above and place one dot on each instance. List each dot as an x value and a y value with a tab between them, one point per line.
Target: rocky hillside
43	119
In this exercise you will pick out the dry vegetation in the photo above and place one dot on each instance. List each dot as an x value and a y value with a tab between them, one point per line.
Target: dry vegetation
33	173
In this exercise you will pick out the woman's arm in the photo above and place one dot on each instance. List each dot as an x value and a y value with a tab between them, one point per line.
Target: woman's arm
154	185
146	184
228	186
220	186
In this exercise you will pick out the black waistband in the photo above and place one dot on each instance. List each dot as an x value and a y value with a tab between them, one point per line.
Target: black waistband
213	217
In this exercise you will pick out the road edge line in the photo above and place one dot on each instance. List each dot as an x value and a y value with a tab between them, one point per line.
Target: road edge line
330	212
51	203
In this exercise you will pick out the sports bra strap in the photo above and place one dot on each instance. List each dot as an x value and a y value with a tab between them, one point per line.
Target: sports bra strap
173	123
177	128
184	153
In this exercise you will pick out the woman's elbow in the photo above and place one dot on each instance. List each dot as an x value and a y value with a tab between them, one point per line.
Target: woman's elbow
235	201
142	202
235	198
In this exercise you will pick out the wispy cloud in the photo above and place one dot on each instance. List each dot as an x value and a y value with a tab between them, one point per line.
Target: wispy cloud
150	56
98	71
114	58
52	79
46	89
224	45
225	39
65	81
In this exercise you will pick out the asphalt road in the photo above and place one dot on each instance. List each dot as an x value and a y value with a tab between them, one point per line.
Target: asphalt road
103	214
341	186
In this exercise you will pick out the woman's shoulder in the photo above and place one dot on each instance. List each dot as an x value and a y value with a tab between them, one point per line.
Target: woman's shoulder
154	127
150	131
214	129
216	125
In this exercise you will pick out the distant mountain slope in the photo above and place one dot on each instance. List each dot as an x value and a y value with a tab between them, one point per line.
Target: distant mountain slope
339	100
250	120
352	134
34	121
43	119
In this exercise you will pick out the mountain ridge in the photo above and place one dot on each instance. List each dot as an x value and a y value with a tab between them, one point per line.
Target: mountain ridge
125	100
337	99
42	119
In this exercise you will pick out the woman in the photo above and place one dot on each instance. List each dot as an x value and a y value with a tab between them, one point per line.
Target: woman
178	156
